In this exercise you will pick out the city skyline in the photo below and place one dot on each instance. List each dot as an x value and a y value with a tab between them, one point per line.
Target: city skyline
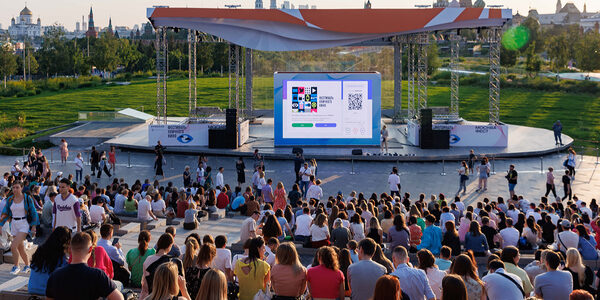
131	12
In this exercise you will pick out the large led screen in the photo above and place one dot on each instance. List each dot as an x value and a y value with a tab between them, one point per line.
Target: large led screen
327	109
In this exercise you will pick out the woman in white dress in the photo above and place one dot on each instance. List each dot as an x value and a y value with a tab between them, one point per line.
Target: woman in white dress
20	210
434	275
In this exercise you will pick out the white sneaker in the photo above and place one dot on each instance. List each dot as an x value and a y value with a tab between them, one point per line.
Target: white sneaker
15	270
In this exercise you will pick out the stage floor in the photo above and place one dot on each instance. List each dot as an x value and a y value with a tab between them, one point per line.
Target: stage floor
522	142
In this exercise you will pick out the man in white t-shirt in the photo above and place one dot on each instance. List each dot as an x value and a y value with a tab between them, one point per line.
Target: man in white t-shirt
249	228
97	213
222	260
303	223
4	180
535	213
566	238
510	235
270	250
120	199
219	182
394	182
586	210
145	209
315	191
66	208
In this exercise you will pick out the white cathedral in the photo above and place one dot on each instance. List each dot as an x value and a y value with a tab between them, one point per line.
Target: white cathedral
25	27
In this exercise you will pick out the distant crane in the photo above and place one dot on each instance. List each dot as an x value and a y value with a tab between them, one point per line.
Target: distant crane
496	5
422	5
233	6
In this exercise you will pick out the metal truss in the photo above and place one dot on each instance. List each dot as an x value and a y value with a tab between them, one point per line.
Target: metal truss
422	46
454	77
248	72
234	74
192	74
397	78
412	112
161	74
494	41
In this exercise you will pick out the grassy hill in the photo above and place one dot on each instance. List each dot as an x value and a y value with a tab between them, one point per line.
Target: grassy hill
578	112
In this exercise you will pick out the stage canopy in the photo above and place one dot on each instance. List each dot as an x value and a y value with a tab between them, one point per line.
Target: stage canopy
308	29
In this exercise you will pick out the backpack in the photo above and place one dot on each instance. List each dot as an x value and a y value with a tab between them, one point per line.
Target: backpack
154	266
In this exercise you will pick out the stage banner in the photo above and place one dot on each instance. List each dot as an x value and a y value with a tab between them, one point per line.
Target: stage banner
243	132
179	135
327	109
476	135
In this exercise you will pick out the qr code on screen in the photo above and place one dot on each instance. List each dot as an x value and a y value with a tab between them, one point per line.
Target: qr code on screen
355	101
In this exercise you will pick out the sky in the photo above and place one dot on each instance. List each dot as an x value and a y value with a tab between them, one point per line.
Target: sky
130	12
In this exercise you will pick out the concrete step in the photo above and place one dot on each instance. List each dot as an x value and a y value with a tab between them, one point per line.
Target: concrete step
219	214
153	224
127	228
14	284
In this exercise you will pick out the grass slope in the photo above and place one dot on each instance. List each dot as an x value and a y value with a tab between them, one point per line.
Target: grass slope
578	112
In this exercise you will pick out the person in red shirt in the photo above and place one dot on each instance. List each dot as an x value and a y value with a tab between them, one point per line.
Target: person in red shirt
182	206
99	258
326	281
222	199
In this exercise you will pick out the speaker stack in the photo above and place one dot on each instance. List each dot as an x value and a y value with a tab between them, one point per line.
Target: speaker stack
429	138
225	138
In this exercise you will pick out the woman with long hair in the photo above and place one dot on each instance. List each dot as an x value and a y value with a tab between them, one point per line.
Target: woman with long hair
214	286
387	287
49	256
416	233
451	238
20	211
475	240
434	275
463	266
571	162
357	228
240	168
345	260
465	224
112	159
399	234
375	231
191	252
326	281
319	232
463	176
194	274
381	259
280	200
583	276
136	257
454	288
167	284
288	276
271	228
532	232
253	272
484	173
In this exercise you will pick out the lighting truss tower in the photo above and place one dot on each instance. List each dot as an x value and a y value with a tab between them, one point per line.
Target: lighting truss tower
494	41
412	112
454	79
192	74
234	75
397	77
422	46
248	72
161	75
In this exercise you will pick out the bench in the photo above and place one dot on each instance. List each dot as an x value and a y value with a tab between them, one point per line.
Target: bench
129	228
219	214
19	295
15	288
7	257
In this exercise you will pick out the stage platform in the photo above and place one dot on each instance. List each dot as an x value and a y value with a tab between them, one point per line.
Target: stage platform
523	142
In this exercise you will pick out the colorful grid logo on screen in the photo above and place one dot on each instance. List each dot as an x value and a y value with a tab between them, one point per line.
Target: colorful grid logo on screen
304	99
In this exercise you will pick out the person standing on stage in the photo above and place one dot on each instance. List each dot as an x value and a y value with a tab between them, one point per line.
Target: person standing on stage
158	161
557	128
384	138
512	176
472	159
112	159
298	161
305	173
463	174
64	151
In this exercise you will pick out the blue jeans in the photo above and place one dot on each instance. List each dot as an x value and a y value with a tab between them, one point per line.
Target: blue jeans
78	175
511	186
304	187
558	137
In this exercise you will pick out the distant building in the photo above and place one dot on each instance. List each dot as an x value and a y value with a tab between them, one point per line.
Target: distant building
466	3
287	5
368	4
479	3
91	32
110	28
25	28
441	3
565	15
273	4
258	4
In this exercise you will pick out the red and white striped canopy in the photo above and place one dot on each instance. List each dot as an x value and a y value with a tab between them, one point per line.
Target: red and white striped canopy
308	29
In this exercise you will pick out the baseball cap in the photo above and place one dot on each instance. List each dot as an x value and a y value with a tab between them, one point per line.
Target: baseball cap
565	224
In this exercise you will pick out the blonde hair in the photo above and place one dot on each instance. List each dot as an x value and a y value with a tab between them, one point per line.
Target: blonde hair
280	185
574	264
165	283
213	287
191	250
287	255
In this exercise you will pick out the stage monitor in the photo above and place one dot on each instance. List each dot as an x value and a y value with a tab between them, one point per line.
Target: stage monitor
322	109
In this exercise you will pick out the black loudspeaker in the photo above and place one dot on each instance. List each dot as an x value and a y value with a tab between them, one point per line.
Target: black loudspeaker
297	150
231	117
216	138
426	139
357	152
426	119
441	139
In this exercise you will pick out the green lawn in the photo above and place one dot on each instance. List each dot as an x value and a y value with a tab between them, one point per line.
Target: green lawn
578	112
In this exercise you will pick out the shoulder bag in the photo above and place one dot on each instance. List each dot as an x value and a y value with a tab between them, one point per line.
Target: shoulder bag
513	281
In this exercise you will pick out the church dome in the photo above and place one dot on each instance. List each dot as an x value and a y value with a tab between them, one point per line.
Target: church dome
26	11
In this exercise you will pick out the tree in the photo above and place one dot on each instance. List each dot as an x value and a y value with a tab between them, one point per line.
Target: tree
533	63
8	62
128	55
81	63
508	58
558	51
433	60
176	54
55	56
105	56
587	52
533	25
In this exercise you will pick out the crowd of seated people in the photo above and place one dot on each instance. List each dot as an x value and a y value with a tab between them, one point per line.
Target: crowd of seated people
355	238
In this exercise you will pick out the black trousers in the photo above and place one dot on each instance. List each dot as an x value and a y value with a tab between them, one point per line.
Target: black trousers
121	273
567	191
550	187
